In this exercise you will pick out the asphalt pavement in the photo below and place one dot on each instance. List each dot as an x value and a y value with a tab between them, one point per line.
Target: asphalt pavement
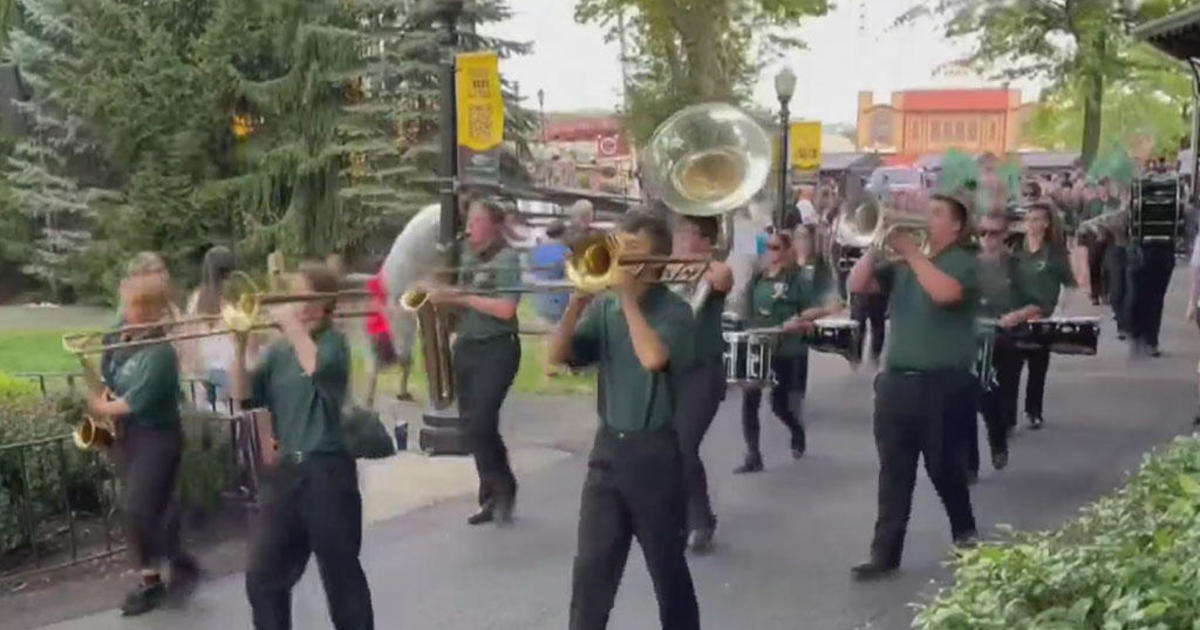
786	537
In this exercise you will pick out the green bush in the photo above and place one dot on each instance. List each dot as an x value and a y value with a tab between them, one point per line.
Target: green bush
38	480
1128	561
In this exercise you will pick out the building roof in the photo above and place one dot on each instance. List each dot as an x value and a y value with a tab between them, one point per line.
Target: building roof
838	161
1048	159
955	100
1177	34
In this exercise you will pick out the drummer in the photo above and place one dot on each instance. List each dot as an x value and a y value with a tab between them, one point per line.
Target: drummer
1043	269
785	296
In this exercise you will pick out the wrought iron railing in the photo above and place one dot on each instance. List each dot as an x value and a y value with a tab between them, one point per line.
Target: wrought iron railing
58	504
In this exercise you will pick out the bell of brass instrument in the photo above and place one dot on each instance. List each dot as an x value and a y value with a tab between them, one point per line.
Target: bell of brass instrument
870	225
708	160
92	433
434	328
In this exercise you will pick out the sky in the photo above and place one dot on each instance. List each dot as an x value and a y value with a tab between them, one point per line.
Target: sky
850	49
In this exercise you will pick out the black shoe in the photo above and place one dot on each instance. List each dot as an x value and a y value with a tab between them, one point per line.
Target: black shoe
1095	301
1196	420
1000	460
870	571
405	397
1035	422
504	510
752	464
968	540
701	540
486	514
799	445
1153	351
144	598
1121	336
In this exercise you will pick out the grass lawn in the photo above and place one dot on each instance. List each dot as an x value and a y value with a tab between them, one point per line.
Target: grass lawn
37	347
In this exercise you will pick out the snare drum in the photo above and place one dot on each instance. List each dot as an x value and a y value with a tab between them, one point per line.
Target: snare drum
1060	335
837	336
748	357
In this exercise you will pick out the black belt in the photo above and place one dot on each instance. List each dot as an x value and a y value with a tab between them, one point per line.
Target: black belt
300	457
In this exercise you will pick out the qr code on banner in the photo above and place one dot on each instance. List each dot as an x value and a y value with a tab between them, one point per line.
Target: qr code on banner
479	121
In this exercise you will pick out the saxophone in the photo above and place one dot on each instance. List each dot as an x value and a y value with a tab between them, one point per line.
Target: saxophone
92	432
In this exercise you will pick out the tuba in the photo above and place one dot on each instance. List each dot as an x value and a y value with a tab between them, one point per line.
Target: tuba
869	225
707	160
434	327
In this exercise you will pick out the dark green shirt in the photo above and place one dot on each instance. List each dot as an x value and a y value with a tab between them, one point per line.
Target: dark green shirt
149	383
1043	274
924	335
498	270
710	345
999	291
631	398
306	410
773	301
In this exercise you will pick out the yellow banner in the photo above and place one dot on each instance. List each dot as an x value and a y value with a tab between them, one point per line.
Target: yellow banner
480	105
805	141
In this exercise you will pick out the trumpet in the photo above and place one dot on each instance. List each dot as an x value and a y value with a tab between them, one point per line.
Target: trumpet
870	225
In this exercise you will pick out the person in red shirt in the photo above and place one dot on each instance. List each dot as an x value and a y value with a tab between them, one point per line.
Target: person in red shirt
379	331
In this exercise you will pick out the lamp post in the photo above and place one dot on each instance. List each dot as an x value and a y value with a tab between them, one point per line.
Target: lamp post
448	12
785	87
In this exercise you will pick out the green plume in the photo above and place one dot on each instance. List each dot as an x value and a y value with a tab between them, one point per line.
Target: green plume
960	178
1114	164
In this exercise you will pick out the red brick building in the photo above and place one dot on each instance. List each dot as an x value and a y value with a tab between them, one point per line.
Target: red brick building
917	122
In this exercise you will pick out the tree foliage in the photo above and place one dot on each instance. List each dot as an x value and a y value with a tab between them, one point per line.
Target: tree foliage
686	51
1081	47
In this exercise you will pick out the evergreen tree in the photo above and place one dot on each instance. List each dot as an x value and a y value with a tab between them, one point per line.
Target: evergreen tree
42	163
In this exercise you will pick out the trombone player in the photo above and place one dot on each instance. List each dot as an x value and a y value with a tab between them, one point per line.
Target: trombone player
925	396
487	352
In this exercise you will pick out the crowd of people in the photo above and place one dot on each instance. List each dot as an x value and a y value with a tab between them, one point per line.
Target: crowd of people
660	359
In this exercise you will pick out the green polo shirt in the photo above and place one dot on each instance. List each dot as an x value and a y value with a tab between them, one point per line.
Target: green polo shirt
924	335
710	345
999	290
1093	209
149	383
483	272
1042	275
630	398
306	410
773	301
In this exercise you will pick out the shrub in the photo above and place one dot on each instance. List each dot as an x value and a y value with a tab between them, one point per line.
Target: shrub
1128	561
38	481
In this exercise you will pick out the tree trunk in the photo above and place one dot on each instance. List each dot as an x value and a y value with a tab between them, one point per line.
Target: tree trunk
1092	110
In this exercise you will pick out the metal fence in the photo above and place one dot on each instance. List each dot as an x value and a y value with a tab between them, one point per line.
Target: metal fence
59	505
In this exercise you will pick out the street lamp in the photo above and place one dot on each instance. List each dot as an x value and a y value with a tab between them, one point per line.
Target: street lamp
785	87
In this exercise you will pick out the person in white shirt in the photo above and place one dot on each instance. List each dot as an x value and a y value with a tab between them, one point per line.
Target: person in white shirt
808	212
1193	299
213	355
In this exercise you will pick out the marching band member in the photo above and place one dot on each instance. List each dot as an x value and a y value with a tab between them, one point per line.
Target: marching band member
1001	297
696	237
311	502
1043	269
487	353
780	294
641	337
143	396
1192	307
925	397
1149	269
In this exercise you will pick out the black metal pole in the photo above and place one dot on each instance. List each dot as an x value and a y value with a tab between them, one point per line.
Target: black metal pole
784	155
448	132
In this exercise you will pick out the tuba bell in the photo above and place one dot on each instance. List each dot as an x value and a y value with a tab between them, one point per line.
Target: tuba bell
707	160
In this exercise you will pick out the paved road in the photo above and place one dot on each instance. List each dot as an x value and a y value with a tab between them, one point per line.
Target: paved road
787	537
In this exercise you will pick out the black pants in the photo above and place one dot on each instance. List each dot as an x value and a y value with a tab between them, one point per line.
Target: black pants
309	508
999	405
1118	285
870	308
484	370
1035	384
705	389
1149	273
1095	258
148	460
921	414
791	378
634	489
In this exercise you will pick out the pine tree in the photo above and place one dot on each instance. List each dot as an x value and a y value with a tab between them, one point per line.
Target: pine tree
42	166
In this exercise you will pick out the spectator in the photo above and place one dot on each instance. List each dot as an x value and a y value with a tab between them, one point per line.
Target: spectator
549	265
